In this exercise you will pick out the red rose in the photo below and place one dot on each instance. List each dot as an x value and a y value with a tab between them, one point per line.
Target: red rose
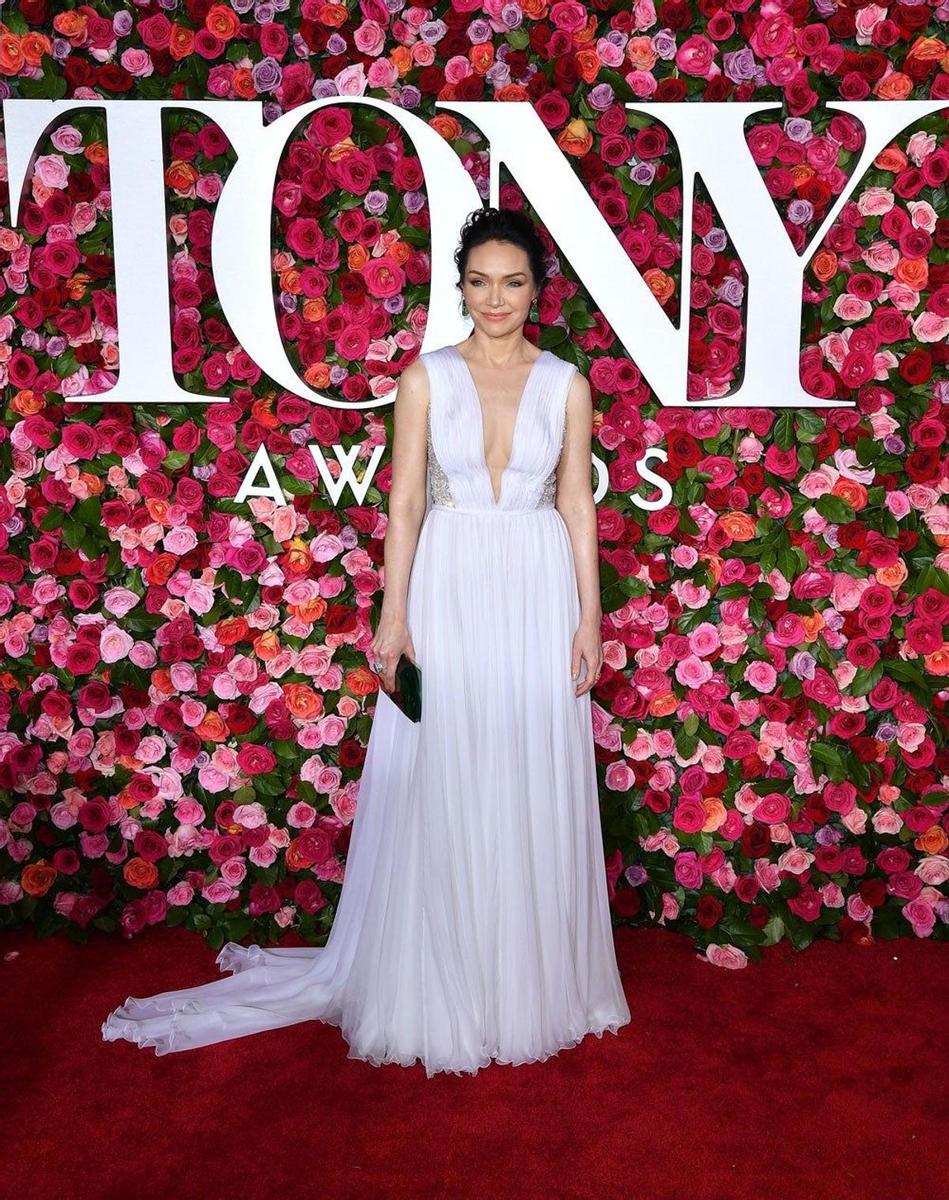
256	760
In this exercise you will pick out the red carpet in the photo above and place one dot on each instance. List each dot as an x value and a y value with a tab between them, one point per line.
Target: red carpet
808	1075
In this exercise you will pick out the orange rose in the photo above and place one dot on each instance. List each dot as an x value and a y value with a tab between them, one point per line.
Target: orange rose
293	858
94	484
11	54
212	727
813	623
302	701
290	280
38	878
242	84
825	265
641	55
401	58
161	679
97	153
222	22
585	36
914	272
157	510
231	630
317	375
76	285
448	126
937	663
892	576
738	525
334	15
575	138
139	873
511	93
34	46
181	42
933	841
927	49
894	87
851	490
341	148
400	252
588	64
311	611
314	310
482	57
713	564
71	25
661	284
357	257
663	706
27	402
160	569
716	813
127	801
267	645
263	413
891	159
361	681
297	557
181	177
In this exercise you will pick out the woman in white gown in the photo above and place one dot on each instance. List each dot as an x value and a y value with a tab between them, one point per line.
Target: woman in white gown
473	923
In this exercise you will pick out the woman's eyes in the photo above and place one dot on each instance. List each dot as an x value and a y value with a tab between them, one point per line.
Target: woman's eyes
513	283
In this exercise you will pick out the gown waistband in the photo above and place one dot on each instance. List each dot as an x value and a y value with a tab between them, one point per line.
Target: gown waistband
494	512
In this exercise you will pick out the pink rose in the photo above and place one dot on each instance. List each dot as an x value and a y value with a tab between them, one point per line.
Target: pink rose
729	957
761	676
921	916
696	56
929	327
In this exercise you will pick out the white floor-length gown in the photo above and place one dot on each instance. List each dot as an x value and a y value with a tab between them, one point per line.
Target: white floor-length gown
473	922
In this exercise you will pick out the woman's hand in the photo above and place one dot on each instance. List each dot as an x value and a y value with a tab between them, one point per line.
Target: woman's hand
392	640
587	646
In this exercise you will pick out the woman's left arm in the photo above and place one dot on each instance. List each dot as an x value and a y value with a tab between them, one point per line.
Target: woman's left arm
575	504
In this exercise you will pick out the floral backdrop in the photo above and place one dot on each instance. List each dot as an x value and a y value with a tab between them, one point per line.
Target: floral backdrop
185	699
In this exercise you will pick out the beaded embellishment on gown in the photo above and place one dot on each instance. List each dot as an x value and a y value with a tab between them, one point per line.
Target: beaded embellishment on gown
473	923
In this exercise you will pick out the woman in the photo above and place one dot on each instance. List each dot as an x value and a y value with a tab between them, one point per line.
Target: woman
473	923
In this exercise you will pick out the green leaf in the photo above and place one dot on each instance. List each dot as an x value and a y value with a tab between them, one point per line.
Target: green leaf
784	430
52	83
866	679
833	508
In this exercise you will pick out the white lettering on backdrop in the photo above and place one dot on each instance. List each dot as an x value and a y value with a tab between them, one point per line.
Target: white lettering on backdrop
710	142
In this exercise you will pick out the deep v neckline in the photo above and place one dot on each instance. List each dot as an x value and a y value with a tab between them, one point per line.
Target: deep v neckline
496	503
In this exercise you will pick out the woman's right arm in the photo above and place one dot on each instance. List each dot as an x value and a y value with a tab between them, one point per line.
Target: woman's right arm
405	513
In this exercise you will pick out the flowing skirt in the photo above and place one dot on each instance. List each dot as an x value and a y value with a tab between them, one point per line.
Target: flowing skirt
473	922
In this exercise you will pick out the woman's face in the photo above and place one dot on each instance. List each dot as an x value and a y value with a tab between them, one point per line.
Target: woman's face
498	287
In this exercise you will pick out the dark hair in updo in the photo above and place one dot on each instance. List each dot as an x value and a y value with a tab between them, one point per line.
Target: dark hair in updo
503	225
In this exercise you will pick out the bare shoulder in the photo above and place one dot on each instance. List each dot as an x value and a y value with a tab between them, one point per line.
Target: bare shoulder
412	394
413	382
579	394
579	382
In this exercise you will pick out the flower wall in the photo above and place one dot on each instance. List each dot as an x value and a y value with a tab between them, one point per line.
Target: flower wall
184	694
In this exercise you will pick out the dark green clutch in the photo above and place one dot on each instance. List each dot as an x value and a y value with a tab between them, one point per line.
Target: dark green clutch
408	688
